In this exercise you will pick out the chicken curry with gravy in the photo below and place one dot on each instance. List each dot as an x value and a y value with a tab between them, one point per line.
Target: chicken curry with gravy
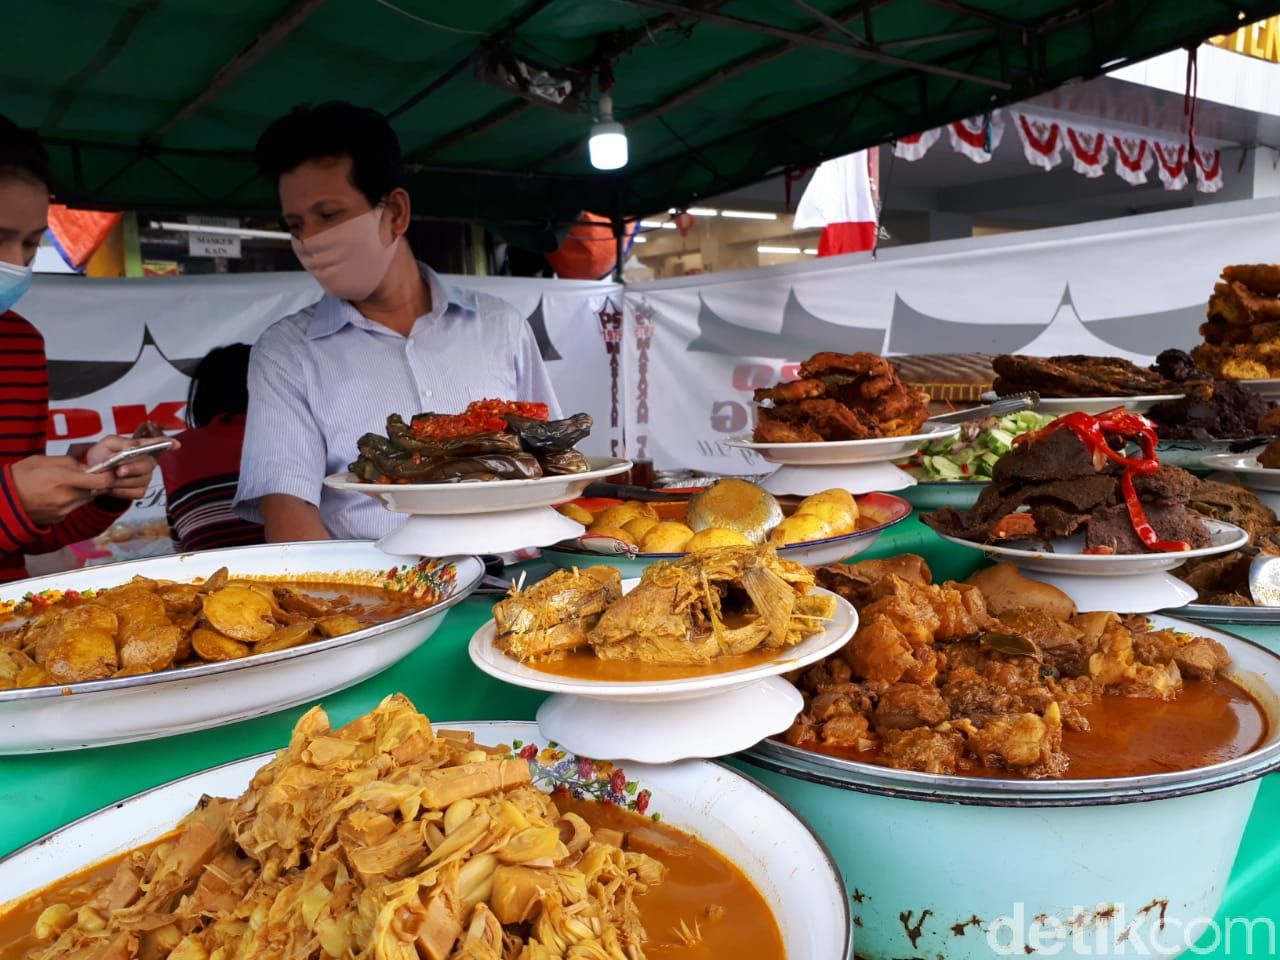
389	840
145	625
1001	677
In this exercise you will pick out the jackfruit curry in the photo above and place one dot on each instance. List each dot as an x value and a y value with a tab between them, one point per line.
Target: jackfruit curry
1000	676
707	612
388	840
147	625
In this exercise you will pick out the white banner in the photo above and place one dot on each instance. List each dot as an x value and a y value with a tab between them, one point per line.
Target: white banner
120	352
697	347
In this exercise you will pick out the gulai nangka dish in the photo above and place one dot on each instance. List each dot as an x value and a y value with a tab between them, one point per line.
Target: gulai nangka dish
144	625
709	612
1001	676
388	840
731	512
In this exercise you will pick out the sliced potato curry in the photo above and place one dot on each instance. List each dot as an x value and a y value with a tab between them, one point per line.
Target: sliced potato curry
147	625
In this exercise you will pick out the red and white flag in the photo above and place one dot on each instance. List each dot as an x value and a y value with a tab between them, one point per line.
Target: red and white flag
1208	171
840	200
914	146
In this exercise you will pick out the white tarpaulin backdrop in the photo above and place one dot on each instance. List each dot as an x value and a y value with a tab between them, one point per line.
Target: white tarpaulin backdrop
120	351
688	353
697	347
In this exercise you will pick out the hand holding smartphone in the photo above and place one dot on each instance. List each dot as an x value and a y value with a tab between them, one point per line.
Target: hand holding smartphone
151	449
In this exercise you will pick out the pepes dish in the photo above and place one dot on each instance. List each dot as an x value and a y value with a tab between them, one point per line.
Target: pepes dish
130	708
725	813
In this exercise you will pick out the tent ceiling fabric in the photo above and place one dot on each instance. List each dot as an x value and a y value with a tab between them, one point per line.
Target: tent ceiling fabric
157	103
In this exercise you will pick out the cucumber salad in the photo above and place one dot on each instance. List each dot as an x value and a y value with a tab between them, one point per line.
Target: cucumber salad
973	452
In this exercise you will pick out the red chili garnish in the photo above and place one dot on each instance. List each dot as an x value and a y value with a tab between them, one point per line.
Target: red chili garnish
500	408
1093	433
449	426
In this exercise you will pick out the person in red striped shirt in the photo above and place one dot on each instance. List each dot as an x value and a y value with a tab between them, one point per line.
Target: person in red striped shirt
45	502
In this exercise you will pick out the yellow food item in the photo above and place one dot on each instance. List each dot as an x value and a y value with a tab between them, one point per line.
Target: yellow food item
617	533
89	655
1244	370
240	613
734	504
841	498
623	513
382	840
211	645
834	515
640	526
574	512
800	528
716	537
670	536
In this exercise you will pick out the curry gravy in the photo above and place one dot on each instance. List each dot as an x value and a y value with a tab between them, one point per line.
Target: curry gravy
697	878
1209	722
583	664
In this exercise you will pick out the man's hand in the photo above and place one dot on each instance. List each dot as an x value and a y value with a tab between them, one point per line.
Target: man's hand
129	481
50	488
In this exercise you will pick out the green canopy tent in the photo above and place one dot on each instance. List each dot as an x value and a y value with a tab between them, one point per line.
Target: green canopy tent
156	104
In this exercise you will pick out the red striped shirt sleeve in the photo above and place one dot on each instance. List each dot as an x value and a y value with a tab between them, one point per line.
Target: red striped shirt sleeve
17	531
82	524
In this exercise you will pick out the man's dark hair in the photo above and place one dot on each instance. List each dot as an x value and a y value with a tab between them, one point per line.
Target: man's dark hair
335	129
22	156
220	385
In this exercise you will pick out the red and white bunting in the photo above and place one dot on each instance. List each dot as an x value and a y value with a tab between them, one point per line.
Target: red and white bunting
1171	164
916	145
1208	170
1042	140
1046	139
970	136
1134	157
1088	151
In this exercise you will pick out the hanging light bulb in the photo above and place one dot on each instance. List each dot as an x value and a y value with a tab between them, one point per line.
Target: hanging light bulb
608	144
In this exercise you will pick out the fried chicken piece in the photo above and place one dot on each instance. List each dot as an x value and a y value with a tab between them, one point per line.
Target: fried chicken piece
1259	277
831	419
792	391
840	397
770	429
1237	305
856	364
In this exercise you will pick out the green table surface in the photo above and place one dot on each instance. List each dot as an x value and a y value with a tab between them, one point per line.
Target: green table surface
43	792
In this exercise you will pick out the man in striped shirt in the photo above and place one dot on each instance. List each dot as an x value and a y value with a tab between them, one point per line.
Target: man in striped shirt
389	336
45	502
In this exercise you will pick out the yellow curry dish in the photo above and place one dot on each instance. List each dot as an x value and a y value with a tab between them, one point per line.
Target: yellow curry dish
146	625
389	840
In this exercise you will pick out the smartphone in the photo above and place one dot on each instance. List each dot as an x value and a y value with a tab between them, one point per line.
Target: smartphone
133	453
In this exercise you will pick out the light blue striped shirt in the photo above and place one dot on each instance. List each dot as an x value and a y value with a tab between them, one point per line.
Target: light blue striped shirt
325	376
